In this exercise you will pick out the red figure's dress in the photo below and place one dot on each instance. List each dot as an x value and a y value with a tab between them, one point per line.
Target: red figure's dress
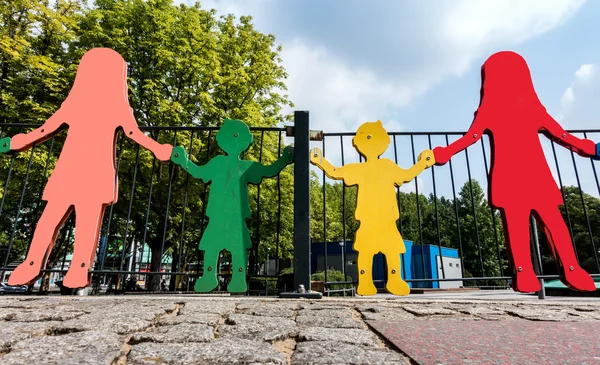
521	182
85	178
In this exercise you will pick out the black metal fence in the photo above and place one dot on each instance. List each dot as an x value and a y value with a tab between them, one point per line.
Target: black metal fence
151	234
302	223
445	216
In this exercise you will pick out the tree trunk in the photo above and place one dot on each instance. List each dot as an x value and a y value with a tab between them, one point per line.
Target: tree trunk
45	286
155	264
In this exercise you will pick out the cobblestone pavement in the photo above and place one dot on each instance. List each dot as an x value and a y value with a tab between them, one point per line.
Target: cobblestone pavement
238	330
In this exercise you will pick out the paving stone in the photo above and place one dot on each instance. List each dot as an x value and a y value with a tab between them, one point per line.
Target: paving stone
123	318
346	335
222	351
419	310
194	307
211	319
268	329
314	320
180	333
332	352
271	309
542	314
89	347
11	332
385	312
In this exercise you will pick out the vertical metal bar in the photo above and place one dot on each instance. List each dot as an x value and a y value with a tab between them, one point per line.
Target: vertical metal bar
585	214
171	174
398	191
204	196
110	214
538	258
10	168
492	212
460	249
325	222
412	145
185	201
135	169
593	169
14	229
562	190
437	217
278	208
257	233
343	216
301	199
69	232
474	212
147	219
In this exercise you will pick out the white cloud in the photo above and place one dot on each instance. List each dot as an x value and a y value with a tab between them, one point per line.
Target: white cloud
579	104
358	62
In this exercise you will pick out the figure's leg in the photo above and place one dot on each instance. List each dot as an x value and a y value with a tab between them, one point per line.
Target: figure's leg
518	244
365	273
208	282
395	285
239	270
88	220
560	242
54	215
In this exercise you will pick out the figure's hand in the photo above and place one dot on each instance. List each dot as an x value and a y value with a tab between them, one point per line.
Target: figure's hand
316	156
428	157
597	155
164	152
288	155
179	156
440	156
4	144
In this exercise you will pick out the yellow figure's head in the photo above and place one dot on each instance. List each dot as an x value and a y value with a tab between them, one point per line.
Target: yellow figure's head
371	140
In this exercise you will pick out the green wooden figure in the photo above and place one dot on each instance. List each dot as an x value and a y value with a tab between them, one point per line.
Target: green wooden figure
228	202
4	144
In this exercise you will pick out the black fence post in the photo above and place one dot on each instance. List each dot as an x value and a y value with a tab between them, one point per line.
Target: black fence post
301	200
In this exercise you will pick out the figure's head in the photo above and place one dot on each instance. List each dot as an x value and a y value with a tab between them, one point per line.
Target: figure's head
234	137
371	140
101	80
506	82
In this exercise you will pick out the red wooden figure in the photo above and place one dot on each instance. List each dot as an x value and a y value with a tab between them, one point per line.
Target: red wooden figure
84	179
521	183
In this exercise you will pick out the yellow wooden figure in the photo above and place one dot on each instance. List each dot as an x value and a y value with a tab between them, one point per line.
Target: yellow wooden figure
376	204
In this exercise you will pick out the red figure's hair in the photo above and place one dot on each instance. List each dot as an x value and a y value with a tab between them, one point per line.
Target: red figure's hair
100	82
506	85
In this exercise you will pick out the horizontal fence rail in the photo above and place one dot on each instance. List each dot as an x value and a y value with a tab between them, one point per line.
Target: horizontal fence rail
149	238
457	239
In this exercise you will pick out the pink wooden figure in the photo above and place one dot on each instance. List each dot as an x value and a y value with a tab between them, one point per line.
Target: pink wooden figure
85	177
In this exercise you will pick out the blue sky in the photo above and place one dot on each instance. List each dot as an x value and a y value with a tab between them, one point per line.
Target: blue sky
415	65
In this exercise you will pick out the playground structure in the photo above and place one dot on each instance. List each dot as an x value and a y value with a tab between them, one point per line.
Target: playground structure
377	178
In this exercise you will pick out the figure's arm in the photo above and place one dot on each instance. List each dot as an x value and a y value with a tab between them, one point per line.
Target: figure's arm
23	141
553	130
180	157
132	130
317	159
443	154
426	159
258	171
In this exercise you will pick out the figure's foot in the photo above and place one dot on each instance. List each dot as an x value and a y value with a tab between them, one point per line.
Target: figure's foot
25	273
77	277
578	279
397	286
526	282
237	285
206	284
366	289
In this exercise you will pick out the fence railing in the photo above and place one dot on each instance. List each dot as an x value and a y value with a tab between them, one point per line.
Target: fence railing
302	222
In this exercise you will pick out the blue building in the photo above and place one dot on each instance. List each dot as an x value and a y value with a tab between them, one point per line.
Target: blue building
419	262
